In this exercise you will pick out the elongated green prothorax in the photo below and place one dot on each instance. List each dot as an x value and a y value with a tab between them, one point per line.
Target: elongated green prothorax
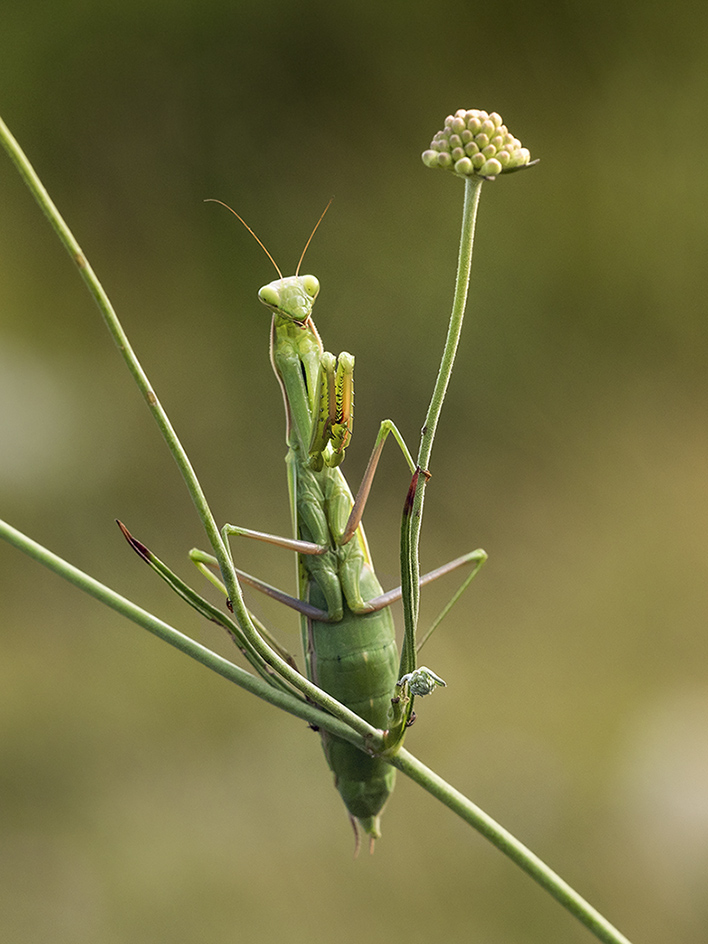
476	143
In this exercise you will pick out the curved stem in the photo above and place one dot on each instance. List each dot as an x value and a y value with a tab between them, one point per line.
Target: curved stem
473	189
114	326
413	510
410	539
403	760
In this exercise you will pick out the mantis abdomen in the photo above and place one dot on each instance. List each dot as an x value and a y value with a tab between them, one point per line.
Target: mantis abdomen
356	661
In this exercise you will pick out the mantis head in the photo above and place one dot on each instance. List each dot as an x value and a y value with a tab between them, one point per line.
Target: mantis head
291	298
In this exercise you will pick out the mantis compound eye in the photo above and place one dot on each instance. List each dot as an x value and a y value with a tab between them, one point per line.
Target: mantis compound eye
270	296
311	285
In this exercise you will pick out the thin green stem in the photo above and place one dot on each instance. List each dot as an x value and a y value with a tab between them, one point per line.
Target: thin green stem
251	683
413	512
509	845
221	551
209	611
473	189
410	541
114	326
403	760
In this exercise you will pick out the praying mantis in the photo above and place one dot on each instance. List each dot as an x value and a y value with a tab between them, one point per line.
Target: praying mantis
347	628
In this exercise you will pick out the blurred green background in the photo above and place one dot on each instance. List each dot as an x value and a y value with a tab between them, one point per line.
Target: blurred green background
143	800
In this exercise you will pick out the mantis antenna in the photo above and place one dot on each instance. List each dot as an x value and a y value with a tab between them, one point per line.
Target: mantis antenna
297	271
260	243
240	218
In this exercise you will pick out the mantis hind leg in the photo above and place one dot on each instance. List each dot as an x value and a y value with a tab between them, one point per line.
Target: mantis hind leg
475	558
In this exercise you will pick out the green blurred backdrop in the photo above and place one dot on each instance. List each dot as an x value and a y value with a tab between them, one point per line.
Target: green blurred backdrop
143	800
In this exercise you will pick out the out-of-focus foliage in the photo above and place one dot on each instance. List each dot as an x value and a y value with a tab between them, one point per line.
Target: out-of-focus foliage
142	800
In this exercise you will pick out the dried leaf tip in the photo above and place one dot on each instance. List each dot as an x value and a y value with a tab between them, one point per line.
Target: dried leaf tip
137	546
476	143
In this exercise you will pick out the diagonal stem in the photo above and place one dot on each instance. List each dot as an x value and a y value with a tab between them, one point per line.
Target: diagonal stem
403	760
221	552
515	850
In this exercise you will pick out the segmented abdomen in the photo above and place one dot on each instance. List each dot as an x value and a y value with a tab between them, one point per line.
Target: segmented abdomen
356	661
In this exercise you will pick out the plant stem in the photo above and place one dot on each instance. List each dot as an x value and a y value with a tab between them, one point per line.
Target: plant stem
509	845
473	189
403	760
66	237
221	551
257	686
413	511
410	542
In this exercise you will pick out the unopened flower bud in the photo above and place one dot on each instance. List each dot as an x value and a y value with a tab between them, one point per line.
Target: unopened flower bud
474	142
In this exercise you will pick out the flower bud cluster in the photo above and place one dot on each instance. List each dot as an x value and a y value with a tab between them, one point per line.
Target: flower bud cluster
475	142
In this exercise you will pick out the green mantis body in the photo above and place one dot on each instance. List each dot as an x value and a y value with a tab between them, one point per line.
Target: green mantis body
351	653
347	628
